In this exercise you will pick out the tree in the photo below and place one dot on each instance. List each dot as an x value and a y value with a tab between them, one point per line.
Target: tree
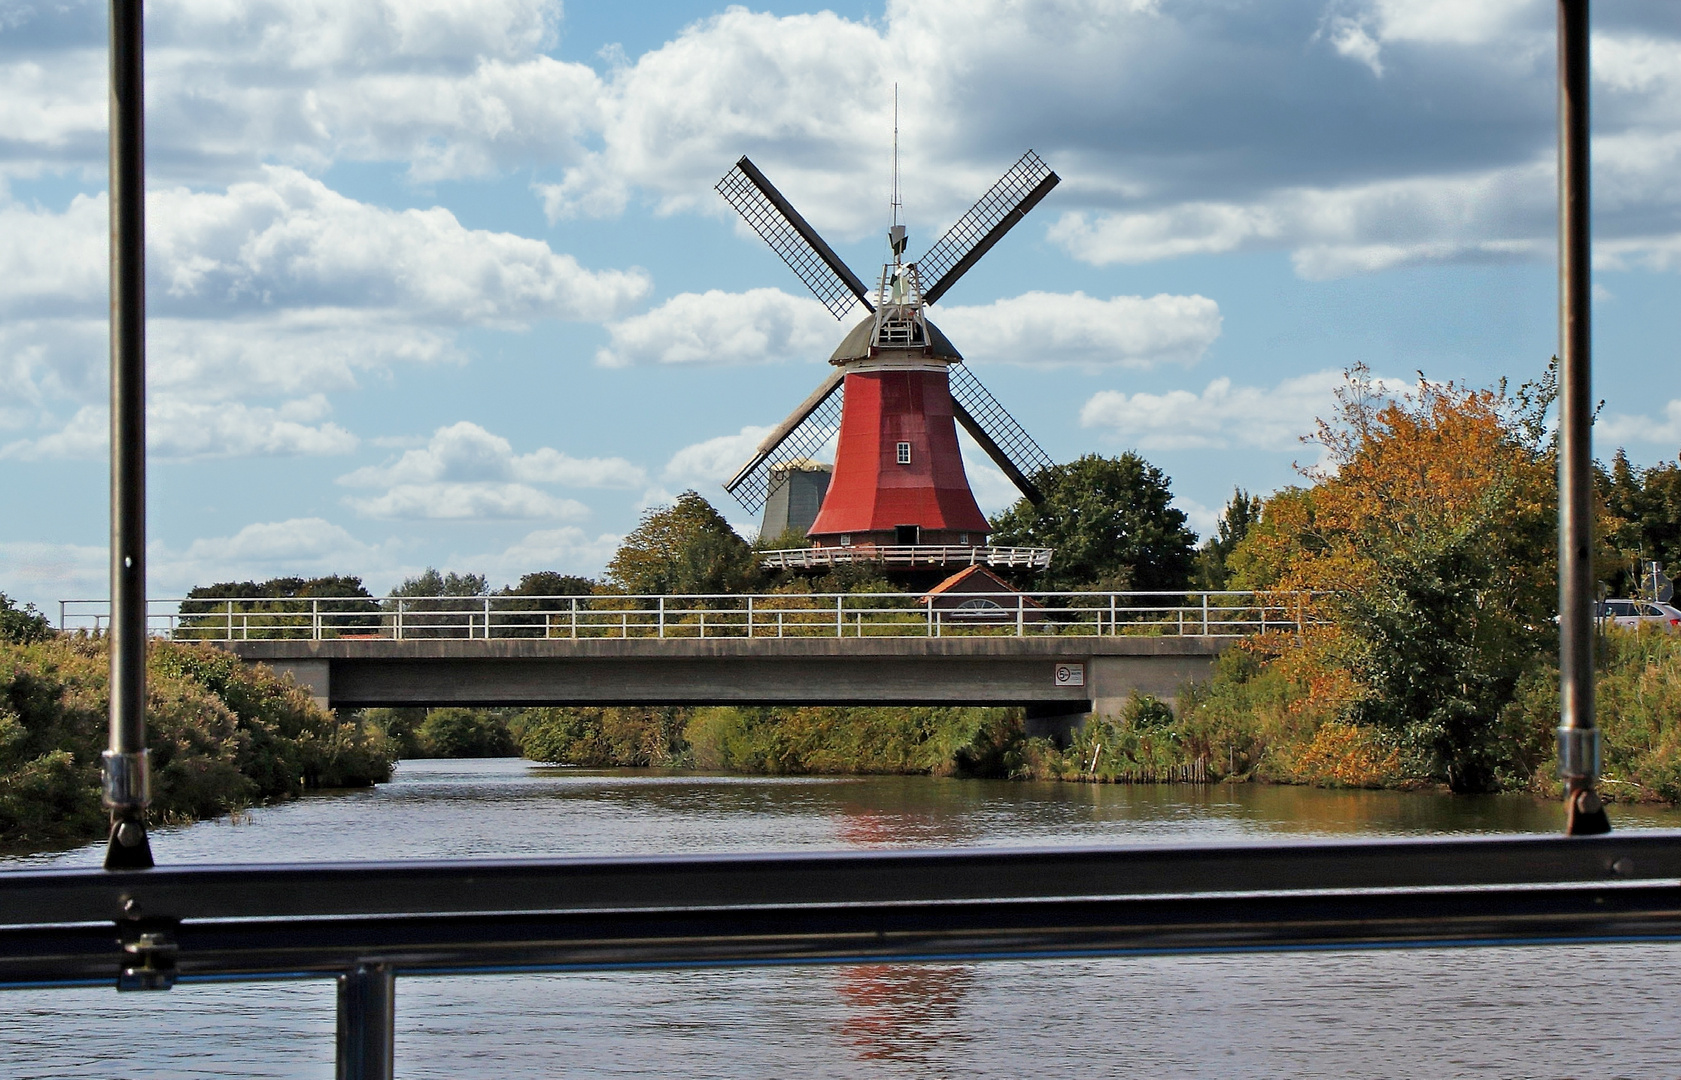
686	547
21	625
431	583
551	583
278	607
1430	553
1110	522
435	614
1243	511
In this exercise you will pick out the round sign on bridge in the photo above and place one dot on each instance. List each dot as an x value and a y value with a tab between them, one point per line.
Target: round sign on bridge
1071	674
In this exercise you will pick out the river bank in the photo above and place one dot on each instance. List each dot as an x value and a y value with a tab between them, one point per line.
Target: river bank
223	736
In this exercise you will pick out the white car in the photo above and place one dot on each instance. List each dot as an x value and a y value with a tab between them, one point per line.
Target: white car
1633	614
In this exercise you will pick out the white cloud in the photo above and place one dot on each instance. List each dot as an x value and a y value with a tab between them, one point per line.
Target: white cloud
1052	329
715	460
1222	417
466	452
177	429
1204	521
1340	231
568	550
465	472
455	89
715	327
1621	428
468	502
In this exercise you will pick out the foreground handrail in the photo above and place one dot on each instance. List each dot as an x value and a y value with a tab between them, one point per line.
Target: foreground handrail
66	927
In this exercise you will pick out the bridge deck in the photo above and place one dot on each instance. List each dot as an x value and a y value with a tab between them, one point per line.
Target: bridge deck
1076	674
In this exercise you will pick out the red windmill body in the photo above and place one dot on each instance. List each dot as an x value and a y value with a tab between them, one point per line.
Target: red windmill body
898	492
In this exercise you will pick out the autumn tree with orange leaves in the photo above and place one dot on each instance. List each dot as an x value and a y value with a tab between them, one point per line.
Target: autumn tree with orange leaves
1427	541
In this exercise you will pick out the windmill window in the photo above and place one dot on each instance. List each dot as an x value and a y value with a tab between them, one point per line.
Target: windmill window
904	453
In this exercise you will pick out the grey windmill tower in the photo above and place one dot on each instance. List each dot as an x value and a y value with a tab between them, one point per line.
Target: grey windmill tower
898	391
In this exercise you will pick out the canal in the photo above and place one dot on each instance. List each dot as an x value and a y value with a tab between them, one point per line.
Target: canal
1605	1011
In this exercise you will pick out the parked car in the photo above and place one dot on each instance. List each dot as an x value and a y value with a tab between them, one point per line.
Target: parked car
1633	614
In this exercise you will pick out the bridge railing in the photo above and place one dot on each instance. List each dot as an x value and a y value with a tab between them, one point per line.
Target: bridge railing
1203	613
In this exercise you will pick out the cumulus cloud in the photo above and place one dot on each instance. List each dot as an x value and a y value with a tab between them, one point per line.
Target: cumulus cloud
715	327
715	460
567	549
465	472
466	452
274	288
453	89
1621	428
1337	232
177	429
1221	417
1053	329
468	502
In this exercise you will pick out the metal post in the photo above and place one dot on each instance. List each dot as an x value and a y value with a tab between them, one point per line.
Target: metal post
367	1022
1204	614
662	616
749	616
315	619
1578	738
127	783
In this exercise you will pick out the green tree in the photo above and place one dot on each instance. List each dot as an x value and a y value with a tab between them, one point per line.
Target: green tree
686	547
1110	522
1243	511
279	607
551	583
435	613
21	625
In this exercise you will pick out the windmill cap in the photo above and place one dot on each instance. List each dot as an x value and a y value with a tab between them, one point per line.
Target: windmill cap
856	345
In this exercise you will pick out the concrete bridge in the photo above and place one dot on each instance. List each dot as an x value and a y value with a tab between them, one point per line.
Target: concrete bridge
1052	676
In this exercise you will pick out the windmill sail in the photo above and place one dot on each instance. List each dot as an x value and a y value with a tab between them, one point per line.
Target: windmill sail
803	435
1005	441
1016	192
787	233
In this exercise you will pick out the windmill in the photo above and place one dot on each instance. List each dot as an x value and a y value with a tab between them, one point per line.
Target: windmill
898	390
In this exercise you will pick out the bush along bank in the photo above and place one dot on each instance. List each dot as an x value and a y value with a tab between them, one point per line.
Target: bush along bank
223	735
939	742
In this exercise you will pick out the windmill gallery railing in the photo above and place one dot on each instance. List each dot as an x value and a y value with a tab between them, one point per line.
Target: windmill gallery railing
1219	614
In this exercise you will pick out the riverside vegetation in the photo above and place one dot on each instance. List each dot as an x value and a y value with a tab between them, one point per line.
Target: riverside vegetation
222	735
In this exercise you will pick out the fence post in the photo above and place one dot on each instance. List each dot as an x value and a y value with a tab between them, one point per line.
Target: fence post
749	616
399	626
840	619
230	621
367	1023
487	618
574	618
315	619
1021	616
1204	614
662	616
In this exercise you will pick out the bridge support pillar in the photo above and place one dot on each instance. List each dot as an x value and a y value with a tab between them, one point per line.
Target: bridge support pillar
315	676
1113	679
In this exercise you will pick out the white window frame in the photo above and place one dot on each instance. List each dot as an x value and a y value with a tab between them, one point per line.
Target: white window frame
904	453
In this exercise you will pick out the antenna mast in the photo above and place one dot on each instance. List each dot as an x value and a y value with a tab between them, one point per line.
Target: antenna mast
896	234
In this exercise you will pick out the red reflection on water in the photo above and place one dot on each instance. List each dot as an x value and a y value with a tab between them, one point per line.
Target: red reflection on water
901	1012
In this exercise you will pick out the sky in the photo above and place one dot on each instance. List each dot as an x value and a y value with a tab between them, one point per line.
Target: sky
445	282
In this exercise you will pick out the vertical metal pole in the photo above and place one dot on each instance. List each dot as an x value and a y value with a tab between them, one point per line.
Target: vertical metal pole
127	783
1578	738
367	1022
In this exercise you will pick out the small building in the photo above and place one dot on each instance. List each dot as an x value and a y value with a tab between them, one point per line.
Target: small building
977	595
796	494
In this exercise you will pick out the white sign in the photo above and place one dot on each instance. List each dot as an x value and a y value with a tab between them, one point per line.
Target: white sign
1071	674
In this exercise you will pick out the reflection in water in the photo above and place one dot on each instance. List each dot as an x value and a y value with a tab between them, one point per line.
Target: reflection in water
903	1012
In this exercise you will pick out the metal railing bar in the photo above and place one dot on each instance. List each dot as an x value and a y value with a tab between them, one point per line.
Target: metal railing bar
871	932
327	890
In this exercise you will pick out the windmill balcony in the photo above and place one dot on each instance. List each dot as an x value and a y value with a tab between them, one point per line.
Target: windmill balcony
906	555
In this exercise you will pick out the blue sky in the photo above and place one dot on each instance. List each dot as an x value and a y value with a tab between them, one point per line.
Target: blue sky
444	282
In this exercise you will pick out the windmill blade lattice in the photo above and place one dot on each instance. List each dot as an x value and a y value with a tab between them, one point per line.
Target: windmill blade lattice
808	438
998	433
1016	192
759	203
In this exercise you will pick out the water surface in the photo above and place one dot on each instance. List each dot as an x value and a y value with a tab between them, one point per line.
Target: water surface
1431	1013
